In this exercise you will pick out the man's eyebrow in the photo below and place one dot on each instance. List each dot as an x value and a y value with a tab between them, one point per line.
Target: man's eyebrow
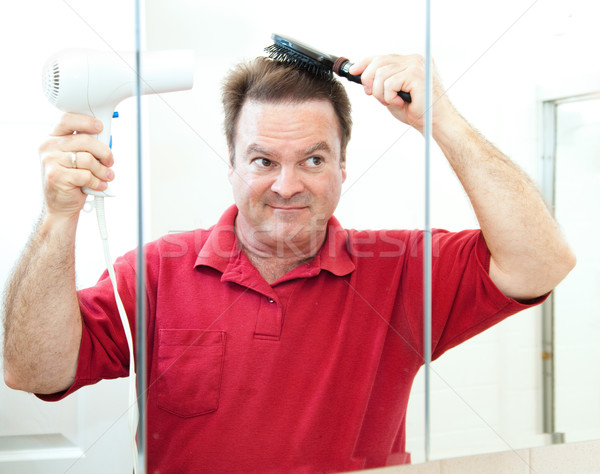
321	146
256	148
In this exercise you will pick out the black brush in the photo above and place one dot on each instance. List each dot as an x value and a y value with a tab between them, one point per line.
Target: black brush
290	51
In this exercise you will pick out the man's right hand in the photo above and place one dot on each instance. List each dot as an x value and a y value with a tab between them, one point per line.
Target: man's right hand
72	158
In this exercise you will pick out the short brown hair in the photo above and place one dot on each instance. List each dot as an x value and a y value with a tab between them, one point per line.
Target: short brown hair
267	80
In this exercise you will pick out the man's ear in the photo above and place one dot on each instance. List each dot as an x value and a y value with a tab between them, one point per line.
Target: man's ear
231	164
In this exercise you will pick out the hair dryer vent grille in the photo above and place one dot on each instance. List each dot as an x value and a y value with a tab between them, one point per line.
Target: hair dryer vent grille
51	82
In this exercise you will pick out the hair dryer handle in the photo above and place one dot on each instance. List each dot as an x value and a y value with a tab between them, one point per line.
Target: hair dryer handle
92	192
104	137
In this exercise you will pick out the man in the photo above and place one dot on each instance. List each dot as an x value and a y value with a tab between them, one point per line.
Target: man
277	340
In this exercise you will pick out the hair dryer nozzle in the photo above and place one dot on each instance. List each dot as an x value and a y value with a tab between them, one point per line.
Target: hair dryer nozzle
166	71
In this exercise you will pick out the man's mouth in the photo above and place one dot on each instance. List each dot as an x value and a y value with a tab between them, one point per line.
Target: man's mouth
283	207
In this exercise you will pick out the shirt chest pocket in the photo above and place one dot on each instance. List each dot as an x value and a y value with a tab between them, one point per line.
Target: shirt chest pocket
190	367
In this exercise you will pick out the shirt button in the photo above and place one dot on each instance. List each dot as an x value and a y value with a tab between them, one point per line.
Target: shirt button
270	300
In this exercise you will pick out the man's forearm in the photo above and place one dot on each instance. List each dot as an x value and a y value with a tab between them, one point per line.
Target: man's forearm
529	253
42	318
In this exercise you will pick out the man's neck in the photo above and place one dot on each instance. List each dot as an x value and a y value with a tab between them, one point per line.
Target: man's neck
273	268
274	261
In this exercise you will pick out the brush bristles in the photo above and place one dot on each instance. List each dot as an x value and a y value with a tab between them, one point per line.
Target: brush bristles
287	55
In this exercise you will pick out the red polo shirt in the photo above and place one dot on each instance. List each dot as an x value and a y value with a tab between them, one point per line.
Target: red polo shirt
309	374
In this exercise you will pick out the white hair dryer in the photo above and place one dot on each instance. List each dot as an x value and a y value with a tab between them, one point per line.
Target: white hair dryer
94	82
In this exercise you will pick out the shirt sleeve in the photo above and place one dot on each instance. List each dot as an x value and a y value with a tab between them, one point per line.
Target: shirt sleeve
465	300
103	353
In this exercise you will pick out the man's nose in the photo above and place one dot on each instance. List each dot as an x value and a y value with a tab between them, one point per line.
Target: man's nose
288	183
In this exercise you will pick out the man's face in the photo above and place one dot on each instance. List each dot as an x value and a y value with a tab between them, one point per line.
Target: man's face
287	177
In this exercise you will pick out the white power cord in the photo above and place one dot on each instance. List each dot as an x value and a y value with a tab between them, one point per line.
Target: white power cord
132	410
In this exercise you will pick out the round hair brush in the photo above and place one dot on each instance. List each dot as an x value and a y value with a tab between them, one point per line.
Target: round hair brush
288	50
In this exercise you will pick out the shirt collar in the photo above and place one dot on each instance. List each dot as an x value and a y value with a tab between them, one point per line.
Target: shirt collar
221	249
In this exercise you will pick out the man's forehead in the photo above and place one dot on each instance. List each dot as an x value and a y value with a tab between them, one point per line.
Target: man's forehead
316	118
317	106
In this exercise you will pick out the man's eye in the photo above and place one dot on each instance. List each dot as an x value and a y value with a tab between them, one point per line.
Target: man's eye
314	161
263	162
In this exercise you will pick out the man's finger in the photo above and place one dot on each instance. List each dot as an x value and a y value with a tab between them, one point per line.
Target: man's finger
71	123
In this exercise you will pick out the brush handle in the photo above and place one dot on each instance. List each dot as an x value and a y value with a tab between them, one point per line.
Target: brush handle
342	70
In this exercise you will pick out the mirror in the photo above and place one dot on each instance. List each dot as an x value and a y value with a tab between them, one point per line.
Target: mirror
577	202
498	63
486	393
